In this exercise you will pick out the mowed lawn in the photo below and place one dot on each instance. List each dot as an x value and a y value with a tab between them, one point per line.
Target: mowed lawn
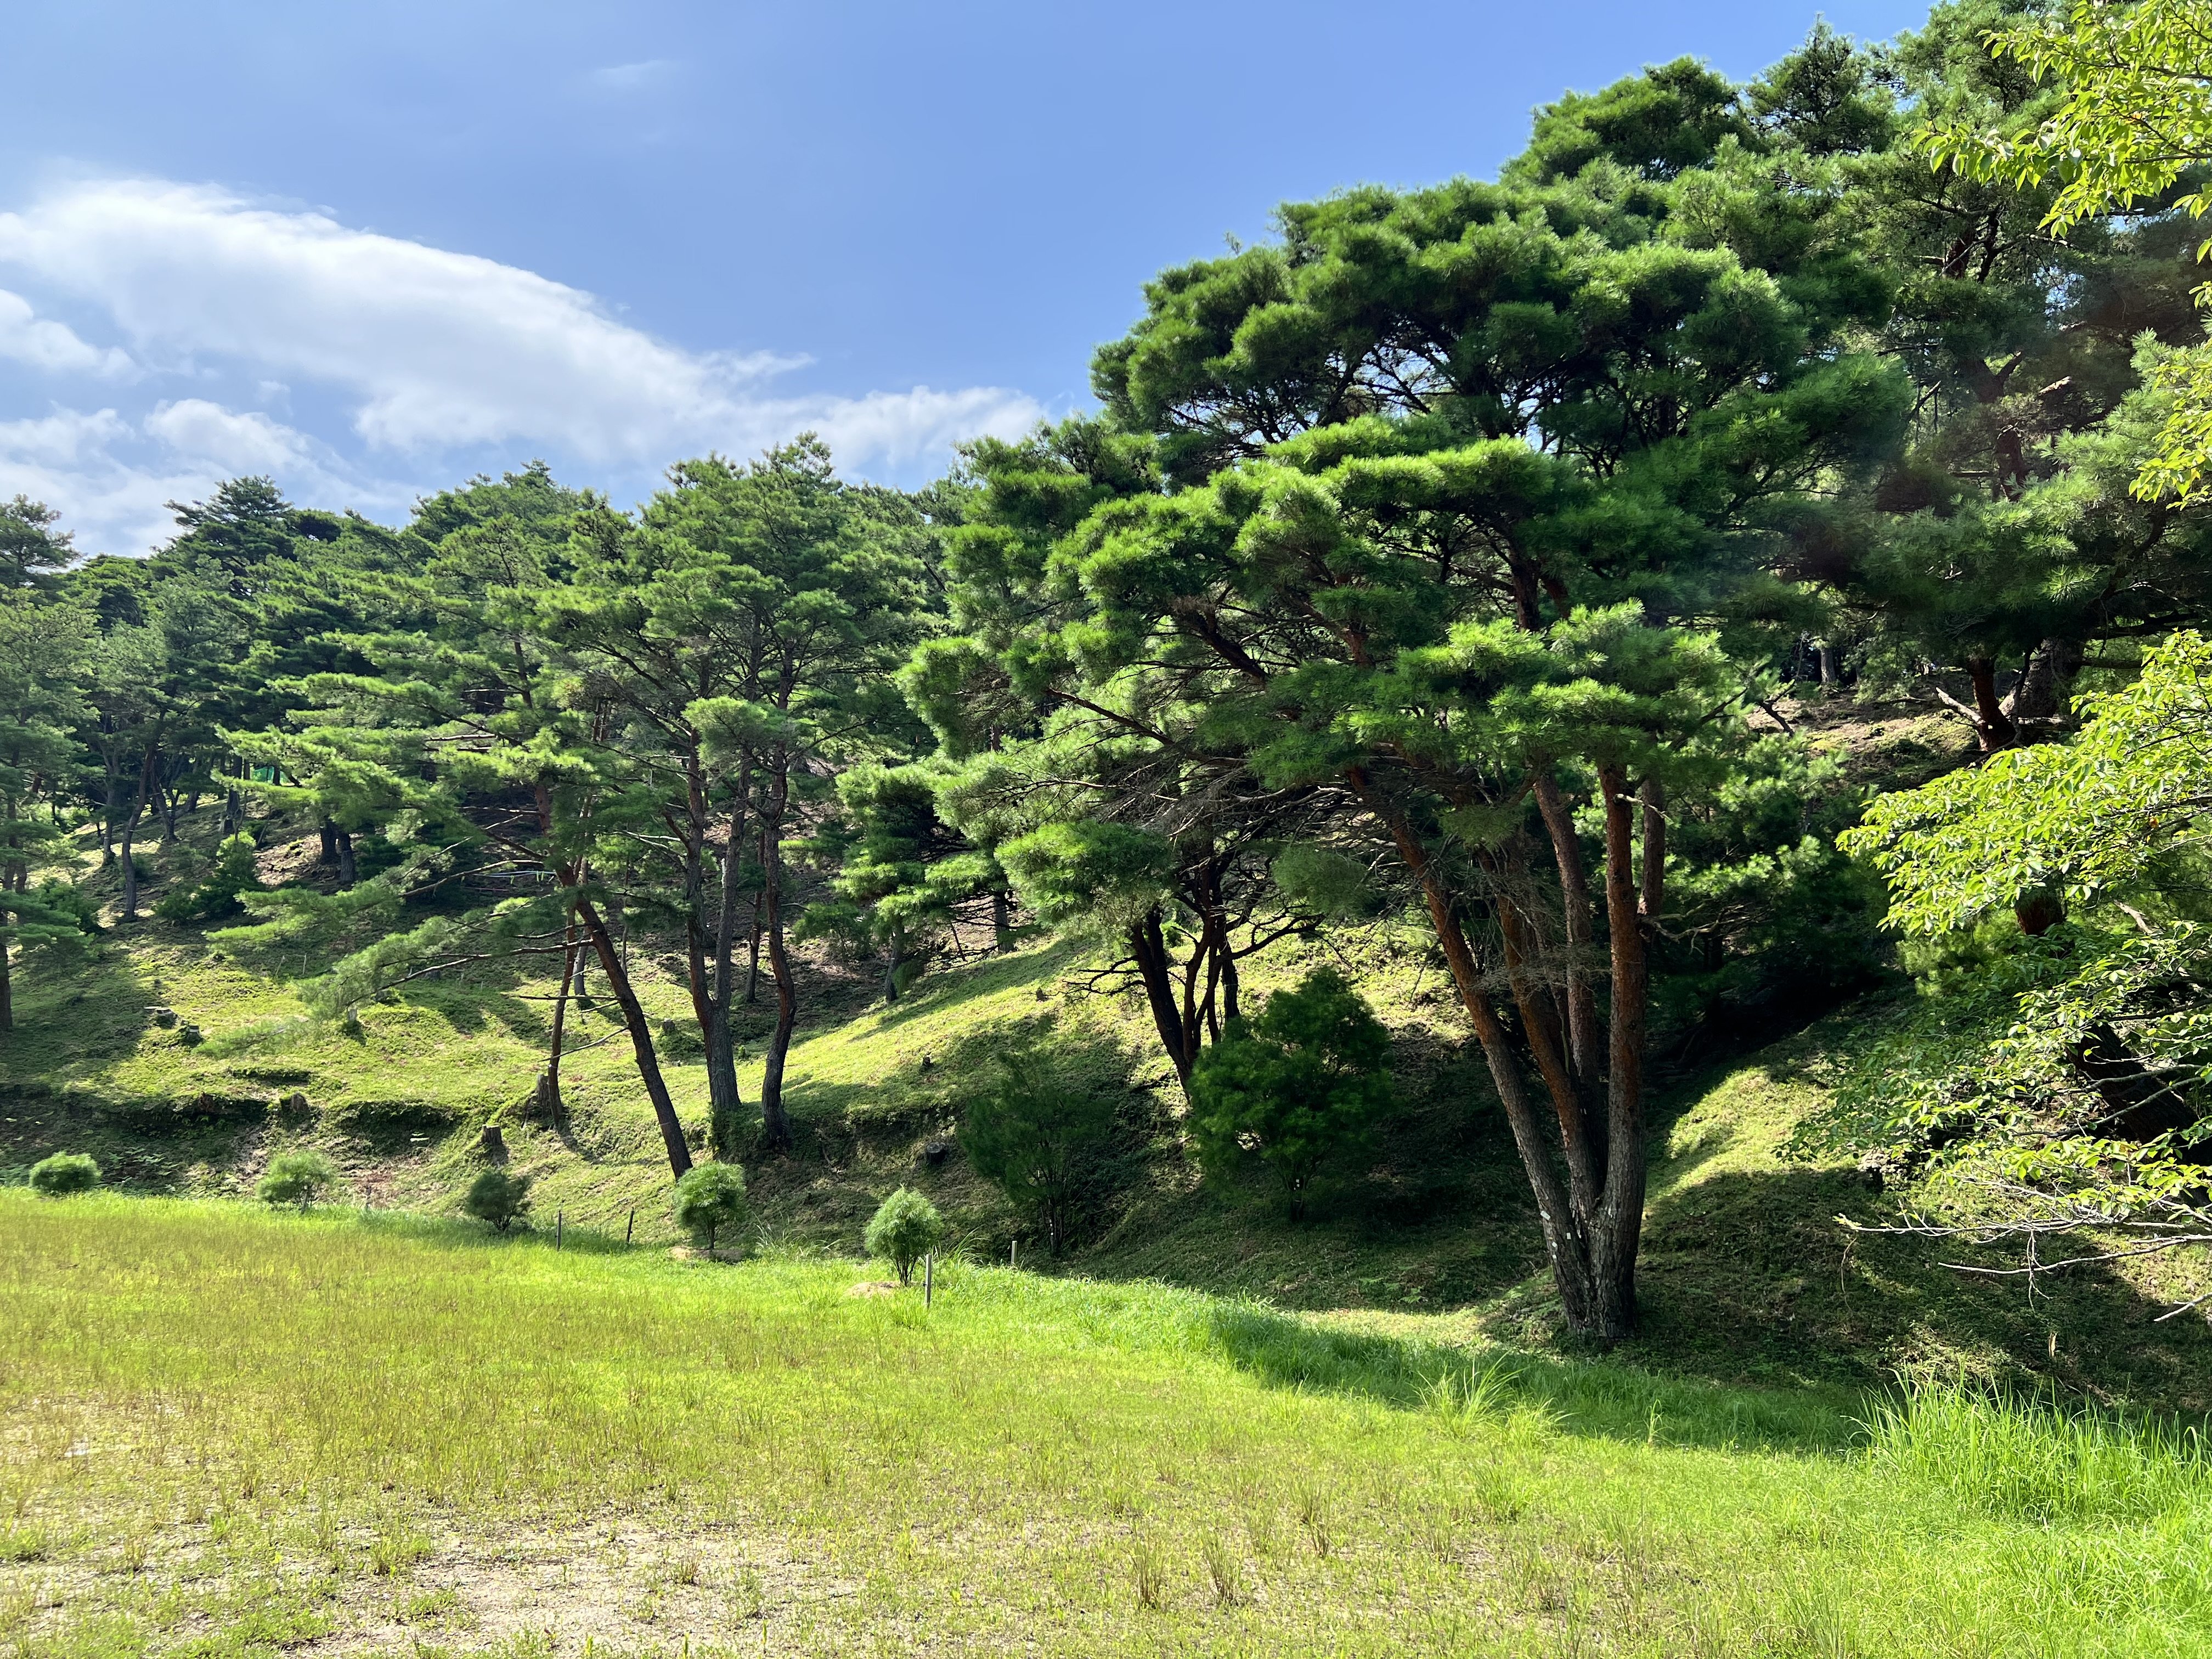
232	1431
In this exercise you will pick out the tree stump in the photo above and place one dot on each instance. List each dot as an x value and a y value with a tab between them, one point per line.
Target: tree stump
492	1143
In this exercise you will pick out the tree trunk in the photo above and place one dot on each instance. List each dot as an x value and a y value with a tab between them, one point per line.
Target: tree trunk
752	962
2045	697
1619	1221
1002	921
1149	946
1592	1227
329	832
130	835
7	987
343	840
1574	887
726	1103
232	812
641	1037
894	959
1991	725
775	1122
551	1102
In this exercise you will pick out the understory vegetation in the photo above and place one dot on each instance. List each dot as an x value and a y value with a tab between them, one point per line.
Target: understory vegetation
1512	960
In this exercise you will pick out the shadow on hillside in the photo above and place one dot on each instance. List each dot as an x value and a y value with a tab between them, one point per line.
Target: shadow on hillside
986	978
1749	1277
1605	1398
72	1018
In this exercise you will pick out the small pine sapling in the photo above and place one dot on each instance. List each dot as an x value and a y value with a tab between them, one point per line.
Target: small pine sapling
1299	1087
498	1198
905	1228
710	1198
65	1173
297	1178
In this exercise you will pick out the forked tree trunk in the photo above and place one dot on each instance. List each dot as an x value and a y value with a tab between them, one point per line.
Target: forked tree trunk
1586	1164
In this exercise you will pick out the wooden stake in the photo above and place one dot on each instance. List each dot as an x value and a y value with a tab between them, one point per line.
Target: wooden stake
560	1225
631	1231
929	1277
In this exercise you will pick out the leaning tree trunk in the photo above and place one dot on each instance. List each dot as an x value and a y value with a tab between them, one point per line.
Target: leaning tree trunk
641	1037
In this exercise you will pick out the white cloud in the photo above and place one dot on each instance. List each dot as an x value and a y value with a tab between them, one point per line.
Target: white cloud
63	438
27	338
68	459
112	480
238	443
435	350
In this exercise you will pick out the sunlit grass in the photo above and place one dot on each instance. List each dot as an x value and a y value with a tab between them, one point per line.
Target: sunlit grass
225	1428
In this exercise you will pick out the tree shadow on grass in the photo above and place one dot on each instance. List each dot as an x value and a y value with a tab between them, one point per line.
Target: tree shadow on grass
1748	1277
1466	1387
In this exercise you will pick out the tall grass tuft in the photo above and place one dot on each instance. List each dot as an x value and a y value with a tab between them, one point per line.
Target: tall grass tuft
2036	1459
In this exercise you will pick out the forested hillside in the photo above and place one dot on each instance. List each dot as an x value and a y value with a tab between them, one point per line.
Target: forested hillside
1546	734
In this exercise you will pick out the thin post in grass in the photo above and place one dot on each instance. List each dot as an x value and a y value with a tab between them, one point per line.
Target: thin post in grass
560	1225
929	1277
631	1231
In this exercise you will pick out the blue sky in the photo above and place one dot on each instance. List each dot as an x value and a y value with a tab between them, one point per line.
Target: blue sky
372	248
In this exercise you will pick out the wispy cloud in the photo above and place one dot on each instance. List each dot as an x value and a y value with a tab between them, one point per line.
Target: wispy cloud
425	350
42	344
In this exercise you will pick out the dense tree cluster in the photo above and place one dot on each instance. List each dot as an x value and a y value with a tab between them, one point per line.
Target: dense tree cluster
1443	556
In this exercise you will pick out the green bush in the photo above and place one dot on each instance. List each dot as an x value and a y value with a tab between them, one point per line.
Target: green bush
214	896
1036	1133
1299	1087
905	1228
297	1178
65	1173
709	1198
498	1197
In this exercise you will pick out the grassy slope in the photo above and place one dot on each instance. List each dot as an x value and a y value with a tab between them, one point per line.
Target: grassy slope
1746	1277
229	1432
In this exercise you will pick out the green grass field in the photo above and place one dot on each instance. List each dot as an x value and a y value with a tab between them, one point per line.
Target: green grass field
231	1431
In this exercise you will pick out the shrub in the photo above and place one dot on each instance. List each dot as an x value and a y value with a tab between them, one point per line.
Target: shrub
214	896
905	1228
1035	1133
65	1173
709	1198
1299	1086
297	1178
498	1197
